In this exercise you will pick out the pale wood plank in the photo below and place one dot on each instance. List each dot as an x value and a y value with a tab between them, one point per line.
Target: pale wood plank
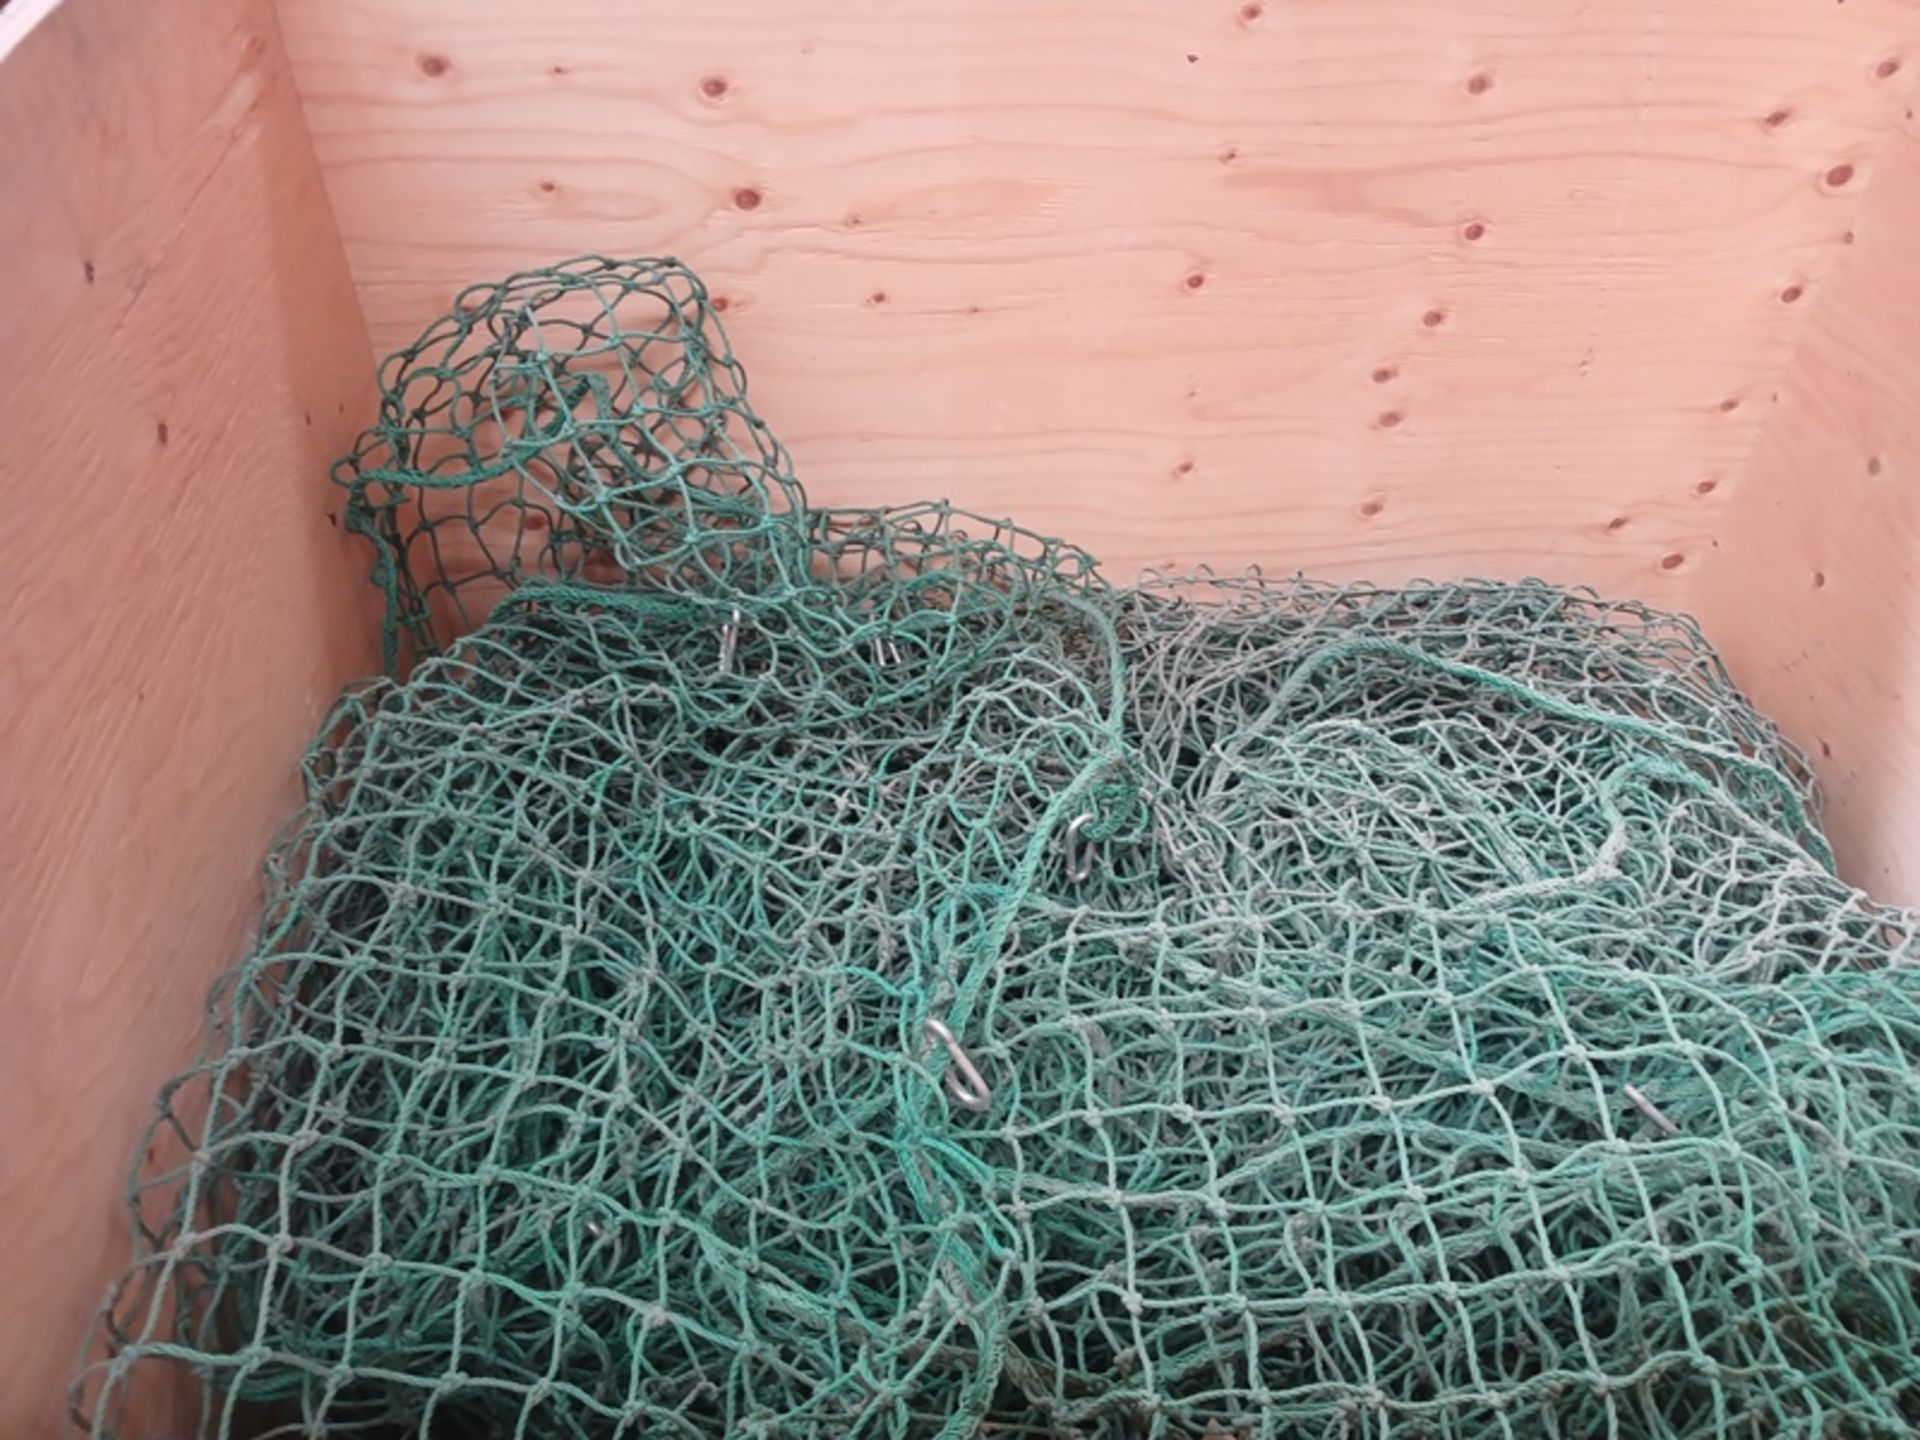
1032	186
180	357
1813	590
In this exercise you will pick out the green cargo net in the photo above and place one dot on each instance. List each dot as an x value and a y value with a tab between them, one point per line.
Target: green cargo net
803	972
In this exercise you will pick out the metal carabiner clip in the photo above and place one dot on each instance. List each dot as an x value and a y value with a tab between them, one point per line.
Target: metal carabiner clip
966	1086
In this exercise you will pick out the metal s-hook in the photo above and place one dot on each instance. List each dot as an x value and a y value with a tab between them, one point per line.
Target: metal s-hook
966	1086
1079	852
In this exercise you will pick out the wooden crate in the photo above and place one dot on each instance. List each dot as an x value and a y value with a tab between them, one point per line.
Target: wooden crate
1616	292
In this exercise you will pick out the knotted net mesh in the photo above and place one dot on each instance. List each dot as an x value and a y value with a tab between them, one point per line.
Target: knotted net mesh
777	971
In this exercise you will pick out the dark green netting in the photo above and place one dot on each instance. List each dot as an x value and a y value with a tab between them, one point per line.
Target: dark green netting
1419	1012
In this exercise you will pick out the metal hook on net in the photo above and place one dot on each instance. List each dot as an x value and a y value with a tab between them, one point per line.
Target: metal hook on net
729	639
885	653
1079	851
1662	1121
966	1086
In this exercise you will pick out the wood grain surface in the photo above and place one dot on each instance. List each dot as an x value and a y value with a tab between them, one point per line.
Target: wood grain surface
180	356
1365	287
1813	591
1620	292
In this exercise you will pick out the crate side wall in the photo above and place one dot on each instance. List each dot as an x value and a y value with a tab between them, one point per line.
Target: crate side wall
183	354
1380	290
1812	594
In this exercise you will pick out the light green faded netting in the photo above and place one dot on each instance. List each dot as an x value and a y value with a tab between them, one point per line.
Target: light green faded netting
1421	1012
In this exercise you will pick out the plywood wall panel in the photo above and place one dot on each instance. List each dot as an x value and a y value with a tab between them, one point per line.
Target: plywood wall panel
180	356
1374	288
1814	592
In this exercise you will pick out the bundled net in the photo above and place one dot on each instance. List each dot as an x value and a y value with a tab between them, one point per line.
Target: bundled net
779	971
